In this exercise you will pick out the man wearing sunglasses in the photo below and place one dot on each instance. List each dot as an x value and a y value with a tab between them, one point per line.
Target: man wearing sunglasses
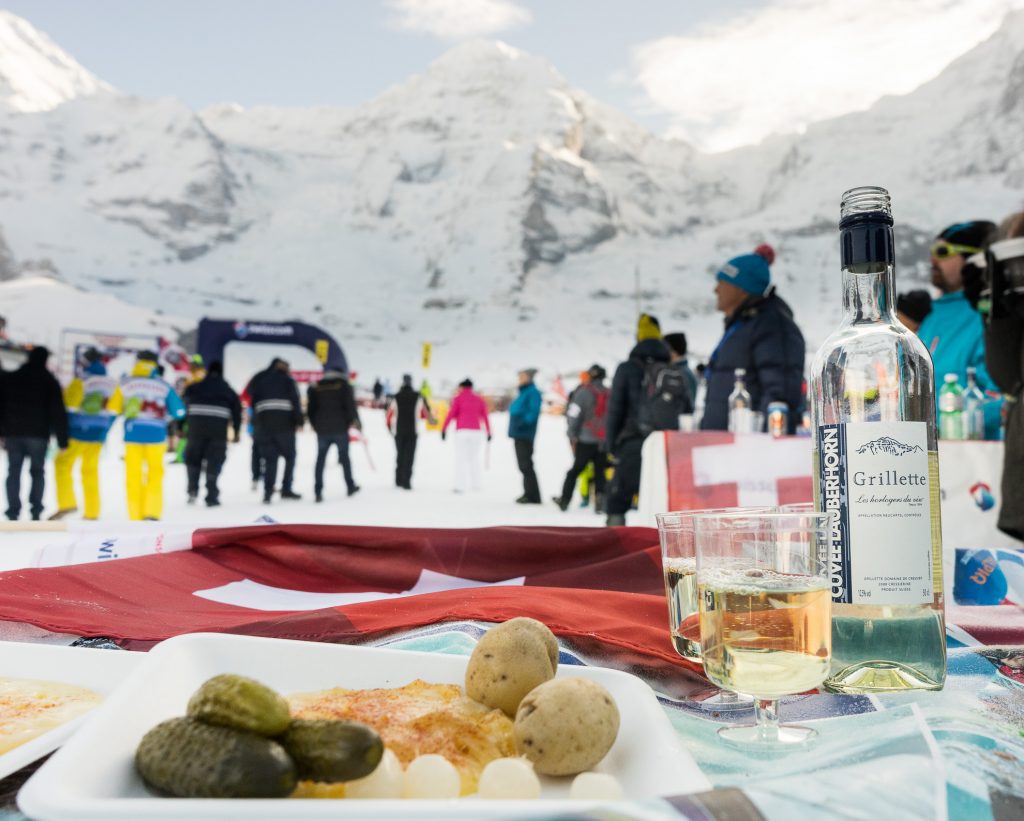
954	332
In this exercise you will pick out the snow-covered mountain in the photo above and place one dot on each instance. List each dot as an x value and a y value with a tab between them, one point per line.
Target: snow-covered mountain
35	73
484	205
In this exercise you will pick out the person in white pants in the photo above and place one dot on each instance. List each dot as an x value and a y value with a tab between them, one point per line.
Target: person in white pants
468	444
468	412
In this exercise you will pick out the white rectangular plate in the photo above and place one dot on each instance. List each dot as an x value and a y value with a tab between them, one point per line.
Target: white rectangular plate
99	670
93	777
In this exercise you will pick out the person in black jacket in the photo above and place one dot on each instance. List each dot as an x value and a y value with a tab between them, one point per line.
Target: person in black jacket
760	337
1003	279
407	406
331	405
278	415
31	410
211	405
625	432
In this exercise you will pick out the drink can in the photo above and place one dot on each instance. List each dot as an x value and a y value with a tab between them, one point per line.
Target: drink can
778	418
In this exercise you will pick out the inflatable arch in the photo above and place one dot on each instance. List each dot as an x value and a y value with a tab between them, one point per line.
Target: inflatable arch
215	334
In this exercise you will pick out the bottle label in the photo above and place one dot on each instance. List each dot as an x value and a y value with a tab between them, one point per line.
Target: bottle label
874	480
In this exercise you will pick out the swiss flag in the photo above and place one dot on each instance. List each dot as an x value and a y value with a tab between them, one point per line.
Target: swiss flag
716	469
599	588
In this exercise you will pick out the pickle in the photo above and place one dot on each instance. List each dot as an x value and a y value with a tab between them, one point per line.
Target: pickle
330	751
186	758
240	703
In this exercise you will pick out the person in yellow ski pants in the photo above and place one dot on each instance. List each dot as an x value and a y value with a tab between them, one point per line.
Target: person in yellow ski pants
147	403
87	399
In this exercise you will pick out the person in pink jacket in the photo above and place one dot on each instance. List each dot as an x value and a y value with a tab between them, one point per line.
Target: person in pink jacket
468	412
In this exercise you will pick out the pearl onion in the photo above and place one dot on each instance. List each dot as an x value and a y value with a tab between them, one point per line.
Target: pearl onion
431	776
383	782
595	787
512	778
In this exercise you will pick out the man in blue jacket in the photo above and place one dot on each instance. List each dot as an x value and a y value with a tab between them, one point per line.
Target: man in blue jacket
523	415
760	337
954	332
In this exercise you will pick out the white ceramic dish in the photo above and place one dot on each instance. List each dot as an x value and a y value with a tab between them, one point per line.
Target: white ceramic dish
92	777
99	670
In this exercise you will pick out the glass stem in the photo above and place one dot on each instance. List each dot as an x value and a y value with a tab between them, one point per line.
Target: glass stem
728	697
766	713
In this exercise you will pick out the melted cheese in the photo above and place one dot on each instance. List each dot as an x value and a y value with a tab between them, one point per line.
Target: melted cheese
30	708
420	718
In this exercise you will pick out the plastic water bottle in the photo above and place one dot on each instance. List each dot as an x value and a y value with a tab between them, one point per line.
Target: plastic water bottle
740	414
778	418
974	408
951	409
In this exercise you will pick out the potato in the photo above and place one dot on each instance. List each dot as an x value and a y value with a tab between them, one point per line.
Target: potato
566	726
509	661
542	630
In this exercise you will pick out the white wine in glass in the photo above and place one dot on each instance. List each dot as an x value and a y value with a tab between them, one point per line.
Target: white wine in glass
679	564
765	614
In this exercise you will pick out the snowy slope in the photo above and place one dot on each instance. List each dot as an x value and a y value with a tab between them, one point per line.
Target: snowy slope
32	304
486	206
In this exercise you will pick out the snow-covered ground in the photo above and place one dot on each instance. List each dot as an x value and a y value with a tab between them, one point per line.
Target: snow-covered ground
431	503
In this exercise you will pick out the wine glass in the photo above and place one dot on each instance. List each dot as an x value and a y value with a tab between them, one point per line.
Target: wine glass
798	507
765	608
679	565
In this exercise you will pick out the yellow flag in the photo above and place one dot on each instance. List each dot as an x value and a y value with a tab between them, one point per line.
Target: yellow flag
322	349
426	355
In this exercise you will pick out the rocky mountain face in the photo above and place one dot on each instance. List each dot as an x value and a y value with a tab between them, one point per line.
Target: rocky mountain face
484	205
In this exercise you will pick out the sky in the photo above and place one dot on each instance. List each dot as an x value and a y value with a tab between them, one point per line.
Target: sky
719	74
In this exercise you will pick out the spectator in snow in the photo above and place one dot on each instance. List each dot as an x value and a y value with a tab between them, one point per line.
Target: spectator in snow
627	426
523	415
277	416
954	332
912	307
760	337
148	405
90	420
331	407
31	411
468	412
587	414
677	358
212	405
408	406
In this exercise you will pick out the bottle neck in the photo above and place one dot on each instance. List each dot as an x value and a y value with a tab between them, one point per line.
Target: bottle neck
869	293
868	253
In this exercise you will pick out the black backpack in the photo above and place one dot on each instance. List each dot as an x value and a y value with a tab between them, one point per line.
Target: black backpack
663	397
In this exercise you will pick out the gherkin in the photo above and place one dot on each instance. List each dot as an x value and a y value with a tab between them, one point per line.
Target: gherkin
241	703
186	758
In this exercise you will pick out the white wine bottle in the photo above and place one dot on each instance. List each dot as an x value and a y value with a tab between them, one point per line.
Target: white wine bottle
876	469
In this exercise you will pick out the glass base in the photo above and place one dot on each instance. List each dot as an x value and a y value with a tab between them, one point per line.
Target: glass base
723	701
758	737
878	677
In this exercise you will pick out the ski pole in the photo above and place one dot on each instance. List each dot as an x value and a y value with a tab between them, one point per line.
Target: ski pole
366	447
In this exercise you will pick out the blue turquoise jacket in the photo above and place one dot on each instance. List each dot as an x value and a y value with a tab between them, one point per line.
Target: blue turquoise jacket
524	413
955	336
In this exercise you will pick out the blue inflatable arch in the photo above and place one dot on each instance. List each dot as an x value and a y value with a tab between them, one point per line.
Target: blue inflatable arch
215	334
